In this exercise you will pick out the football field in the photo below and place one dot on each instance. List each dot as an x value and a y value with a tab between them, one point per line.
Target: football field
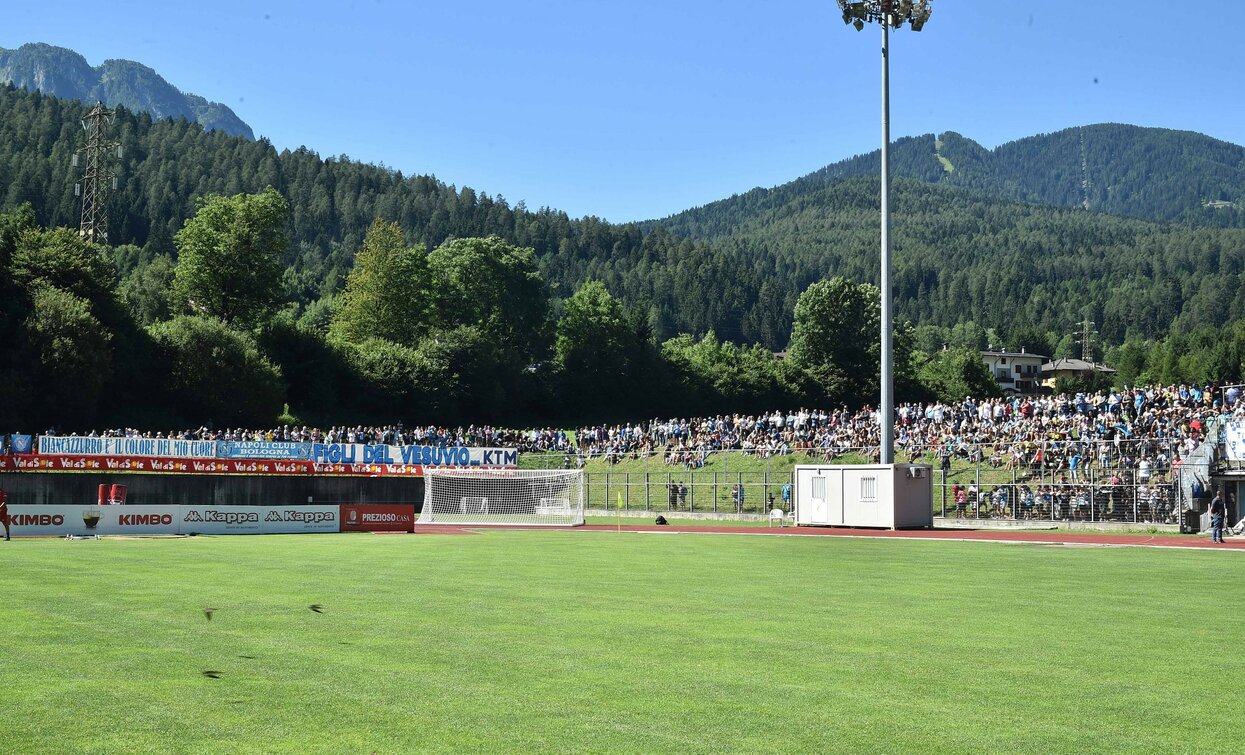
582	641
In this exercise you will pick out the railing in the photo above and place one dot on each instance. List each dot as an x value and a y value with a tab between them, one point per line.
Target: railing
1109	485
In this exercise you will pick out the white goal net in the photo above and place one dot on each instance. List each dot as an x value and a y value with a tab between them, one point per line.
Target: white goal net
503	496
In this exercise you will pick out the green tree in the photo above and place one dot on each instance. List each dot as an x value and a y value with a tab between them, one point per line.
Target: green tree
62	259
217	373
835	340
593	334
718	376
229	257
497	287
388	293
66	358
952	374
398	382
145	292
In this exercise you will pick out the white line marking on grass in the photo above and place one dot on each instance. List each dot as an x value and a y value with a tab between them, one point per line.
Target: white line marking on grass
1145	544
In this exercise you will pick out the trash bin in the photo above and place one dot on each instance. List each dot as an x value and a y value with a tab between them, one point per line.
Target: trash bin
1191	521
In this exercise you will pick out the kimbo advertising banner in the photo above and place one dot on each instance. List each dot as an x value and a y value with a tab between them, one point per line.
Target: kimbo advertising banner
95	520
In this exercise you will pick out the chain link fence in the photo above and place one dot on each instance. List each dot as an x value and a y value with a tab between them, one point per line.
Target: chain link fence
1126	482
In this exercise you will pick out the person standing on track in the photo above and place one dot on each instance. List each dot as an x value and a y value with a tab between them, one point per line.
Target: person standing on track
4	512
1216	518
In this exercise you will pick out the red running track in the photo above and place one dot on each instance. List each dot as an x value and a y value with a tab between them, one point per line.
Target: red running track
1047	537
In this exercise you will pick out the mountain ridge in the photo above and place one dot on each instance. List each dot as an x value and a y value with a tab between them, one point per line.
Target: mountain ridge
736	268
64	73
1144	172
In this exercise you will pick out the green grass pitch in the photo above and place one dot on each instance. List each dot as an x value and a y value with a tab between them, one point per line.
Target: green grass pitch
597	641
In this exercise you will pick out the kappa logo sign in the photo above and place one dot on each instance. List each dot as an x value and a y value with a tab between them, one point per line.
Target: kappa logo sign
309	517
223	517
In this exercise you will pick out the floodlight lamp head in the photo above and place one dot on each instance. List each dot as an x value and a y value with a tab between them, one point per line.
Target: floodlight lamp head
890	12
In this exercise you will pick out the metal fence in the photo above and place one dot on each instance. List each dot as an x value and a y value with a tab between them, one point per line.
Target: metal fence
1156	503
1113	485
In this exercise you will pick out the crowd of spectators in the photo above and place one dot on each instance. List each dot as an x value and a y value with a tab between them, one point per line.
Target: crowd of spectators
1145	430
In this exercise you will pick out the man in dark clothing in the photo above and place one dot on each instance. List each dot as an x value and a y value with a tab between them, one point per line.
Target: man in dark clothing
1216	518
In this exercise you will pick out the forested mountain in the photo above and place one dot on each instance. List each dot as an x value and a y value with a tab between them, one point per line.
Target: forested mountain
167	165
1148	173
735	267
959	256
66	74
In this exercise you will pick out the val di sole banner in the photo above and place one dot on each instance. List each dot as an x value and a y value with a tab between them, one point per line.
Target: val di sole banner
163	465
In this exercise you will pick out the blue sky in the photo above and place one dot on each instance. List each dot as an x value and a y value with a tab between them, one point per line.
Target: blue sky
639	109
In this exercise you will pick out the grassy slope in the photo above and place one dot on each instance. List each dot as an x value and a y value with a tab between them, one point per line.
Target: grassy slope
594	641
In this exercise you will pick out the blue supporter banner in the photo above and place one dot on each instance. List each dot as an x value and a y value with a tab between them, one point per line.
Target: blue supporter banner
429	456
257	449
168	447
1234	440
21	444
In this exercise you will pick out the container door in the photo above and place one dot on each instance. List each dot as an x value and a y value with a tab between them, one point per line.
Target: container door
811	489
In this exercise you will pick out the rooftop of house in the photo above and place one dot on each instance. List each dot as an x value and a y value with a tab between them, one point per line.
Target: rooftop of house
1075	365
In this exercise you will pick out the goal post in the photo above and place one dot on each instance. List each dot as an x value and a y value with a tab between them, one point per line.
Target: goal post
548	497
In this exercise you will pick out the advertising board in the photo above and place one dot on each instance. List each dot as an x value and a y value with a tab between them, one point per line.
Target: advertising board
259	520
95	520
378	517
170	520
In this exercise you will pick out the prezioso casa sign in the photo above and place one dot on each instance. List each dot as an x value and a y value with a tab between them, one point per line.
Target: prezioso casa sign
378	517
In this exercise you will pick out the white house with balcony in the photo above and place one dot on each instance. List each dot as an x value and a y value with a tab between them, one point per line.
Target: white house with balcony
1015	371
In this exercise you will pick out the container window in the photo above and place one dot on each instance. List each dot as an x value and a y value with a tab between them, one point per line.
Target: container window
868	488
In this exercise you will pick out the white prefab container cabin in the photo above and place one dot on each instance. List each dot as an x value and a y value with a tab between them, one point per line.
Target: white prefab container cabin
894	496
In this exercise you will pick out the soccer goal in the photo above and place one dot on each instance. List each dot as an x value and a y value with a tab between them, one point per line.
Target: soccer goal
503	496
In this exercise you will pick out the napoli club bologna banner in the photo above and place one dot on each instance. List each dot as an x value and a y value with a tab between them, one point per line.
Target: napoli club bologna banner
255	449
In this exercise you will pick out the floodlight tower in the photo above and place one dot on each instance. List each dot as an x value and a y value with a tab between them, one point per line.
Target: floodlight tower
888	13
97	176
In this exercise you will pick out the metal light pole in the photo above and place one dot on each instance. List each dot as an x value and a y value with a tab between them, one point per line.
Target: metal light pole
888	13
